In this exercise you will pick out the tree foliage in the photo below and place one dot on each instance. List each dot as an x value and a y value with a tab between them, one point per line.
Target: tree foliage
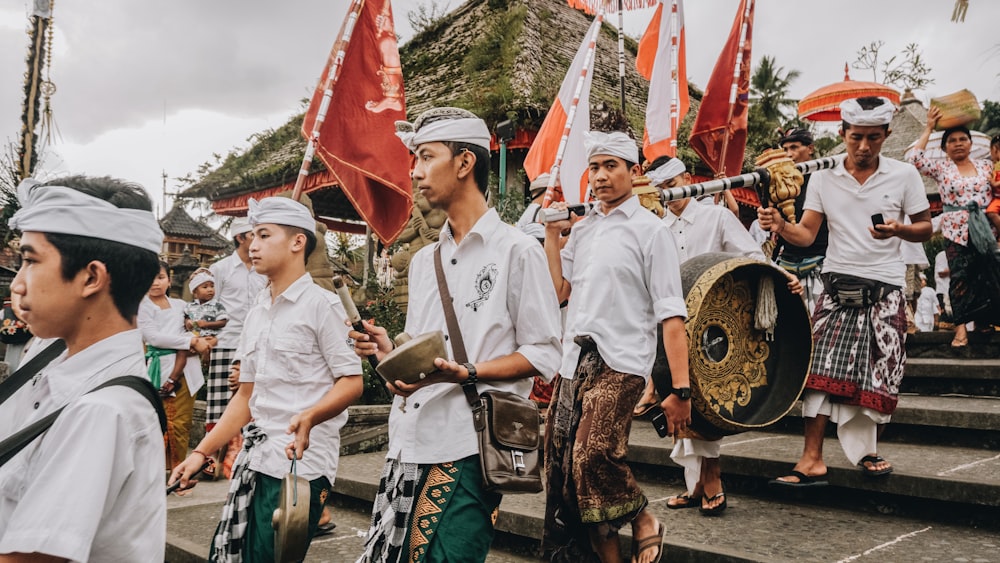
906	70
989	122
426	15
769	86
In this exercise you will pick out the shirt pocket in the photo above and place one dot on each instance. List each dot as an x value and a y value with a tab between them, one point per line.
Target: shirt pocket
13	476
290	356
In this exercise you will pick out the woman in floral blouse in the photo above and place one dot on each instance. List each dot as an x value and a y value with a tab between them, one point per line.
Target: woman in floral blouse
966	190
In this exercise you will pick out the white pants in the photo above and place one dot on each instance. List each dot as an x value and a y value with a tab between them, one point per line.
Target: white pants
689	453
857	427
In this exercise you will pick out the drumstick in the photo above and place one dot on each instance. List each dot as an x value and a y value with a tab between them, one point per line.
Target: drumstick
177	484
352	312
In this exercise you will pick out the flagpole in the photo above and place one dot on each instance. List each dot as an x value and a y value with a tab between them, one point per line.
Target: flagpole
621	51
675	79
337	58
735	86
550	190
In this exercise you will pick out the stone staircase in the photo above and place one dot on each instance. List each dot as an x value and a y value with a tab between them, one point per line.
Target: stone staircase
942	502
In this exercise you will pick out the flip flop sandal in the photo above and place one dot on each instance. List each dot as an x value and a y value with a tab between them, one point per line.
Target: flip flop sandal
686	501
325	529
717	509
803	481
647	543
874	460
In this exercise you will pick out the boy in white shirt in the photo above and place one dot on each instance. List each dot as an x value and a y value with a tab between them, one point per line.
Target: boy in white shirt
297	376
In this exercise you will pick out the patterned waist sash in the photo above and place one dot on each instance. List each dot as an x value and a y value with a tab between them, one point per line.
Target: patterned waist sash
229	541
800	267
980	234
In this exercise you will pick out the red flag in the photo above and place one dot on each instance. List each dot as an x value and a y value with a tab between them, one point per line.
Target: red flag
661	60
720	128
357	141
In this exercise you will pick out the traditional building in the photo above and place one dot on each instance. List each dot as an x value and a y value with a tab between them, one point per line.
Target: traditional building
181	232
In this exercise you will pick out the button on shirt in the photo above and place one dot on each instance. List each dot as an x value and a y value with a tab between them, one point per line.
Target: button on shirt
236	289
625	278
701	229
294	349
894	190
504	302
91	488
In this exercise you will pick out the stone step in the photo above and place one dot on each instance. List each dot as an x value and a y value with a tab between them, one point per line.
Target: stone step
941	376
937	344
753	528
972	422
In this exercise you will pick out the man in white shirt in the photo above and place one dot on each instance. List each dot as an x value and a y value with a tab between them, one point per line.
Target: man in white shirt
621	274
860	321
237	285
297	376
431	502
529	219
90	488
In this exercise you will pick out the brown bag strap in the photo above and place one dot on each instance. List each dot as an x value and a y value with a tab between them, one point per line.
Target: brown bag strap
454	331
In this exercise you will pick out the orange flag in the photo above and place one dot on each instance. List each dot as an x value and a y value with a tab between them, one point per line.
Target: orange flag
661	60
719	135
357	140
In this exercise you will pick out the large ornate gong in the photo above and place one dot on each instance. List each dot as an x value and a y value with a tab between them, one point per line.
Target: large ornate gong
740	380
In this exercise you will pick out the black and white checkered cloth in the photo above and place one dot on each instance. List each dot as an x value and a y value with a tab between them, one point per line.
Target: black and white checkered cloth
218	383
391	513
230	541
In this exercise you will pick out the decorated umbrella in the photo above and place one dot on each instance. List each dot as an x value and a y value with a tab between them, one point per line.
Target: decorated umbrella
824	104
594	7
980	147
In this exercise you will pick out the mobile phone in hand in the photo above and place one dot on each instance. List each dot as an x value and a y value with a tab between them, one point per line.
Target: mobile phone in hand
660	424
877	220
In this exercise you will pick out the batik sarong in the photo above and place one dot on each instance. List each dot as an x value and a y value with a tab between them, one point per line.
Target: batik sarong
859	353
975	285
589	487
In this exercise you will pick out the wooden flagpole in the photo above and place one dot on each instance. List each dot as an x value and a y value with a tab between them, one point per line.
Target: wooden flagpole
336	62
675	106
621	52
571	114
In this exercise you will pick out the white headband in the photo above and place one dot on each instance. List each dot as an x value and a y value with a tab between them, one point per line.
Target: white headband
281	211
666	171
614	144
200	277
470	130
62	210
852	112
239	226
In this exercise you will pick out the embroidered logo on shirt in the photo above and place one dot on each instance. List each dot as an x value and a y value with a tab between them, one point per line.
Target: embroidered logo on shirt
485	281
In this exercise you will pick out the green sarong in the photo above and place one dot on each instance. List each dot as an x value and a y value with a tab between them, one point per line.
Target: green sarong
266	496
153	368
452	517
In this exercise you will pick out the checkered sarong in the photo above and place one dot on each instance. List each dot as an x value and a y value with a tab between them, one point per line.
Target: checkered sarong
218	383
230	535
391	513
859	353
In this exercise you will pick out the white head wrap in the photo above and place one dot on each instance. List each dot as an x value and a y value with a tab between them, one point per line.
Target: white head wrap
666	171
540	183
239	226
852	112
62	210
470	130
200	277
615	143
281	211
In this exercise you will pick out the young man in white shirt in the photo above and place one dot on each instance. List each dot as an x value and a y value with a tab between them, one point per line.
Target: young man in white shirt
621	275
237	285
859	324
431	501
297	376
91	487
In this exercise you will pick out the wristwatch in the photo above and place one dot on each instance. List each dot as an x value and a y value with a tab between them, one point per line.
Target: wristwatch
683	393
473	378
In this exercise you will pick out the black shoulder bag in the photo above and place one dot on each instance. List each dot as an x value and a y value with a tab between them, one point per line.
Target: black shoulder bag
17	441
507	425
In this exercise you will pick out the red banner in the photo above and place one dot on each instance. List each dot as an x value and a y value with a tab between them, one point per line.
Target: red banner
357	140
719	135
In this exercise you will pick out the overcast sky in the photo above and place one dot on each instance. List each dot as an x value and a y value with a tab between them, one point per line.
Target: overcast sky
150	87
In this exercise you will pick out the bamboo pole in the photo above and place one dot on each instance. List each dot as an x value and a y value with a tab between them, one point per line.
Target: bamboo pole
336	61
571	114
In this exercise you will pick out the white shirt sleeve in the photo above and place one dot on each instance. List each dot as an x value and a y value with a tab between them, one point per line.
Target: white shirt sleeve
331	336
814	199
914	196
738	240
154	334
534	310
663	276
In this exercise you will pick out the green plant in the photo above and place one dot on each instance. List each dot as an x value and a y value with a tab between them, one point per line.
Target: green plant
382	307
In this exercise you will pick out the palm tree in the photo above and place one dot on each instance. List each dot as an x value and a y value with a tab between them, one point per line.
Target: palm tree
769	90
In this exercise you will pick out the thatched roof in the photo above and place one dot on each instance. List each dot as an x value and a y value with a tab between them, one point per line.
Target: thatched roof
178	223
502	59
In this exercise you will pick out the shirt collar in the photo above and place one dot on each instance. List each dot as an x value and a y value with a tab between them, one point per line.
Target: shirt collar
294	291
484	228
688	215
883	166
628	207
70	377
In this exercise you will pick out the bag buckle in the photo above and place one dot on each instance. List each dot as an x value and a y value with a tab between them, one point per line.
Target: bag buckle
517	458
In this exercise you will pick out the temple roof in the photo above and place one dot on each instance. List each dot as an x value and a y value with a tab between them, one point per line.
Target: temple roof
178	223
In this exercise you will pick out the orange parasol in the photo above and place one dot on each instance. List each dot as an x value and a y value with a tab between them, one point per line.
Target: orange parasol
824	104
